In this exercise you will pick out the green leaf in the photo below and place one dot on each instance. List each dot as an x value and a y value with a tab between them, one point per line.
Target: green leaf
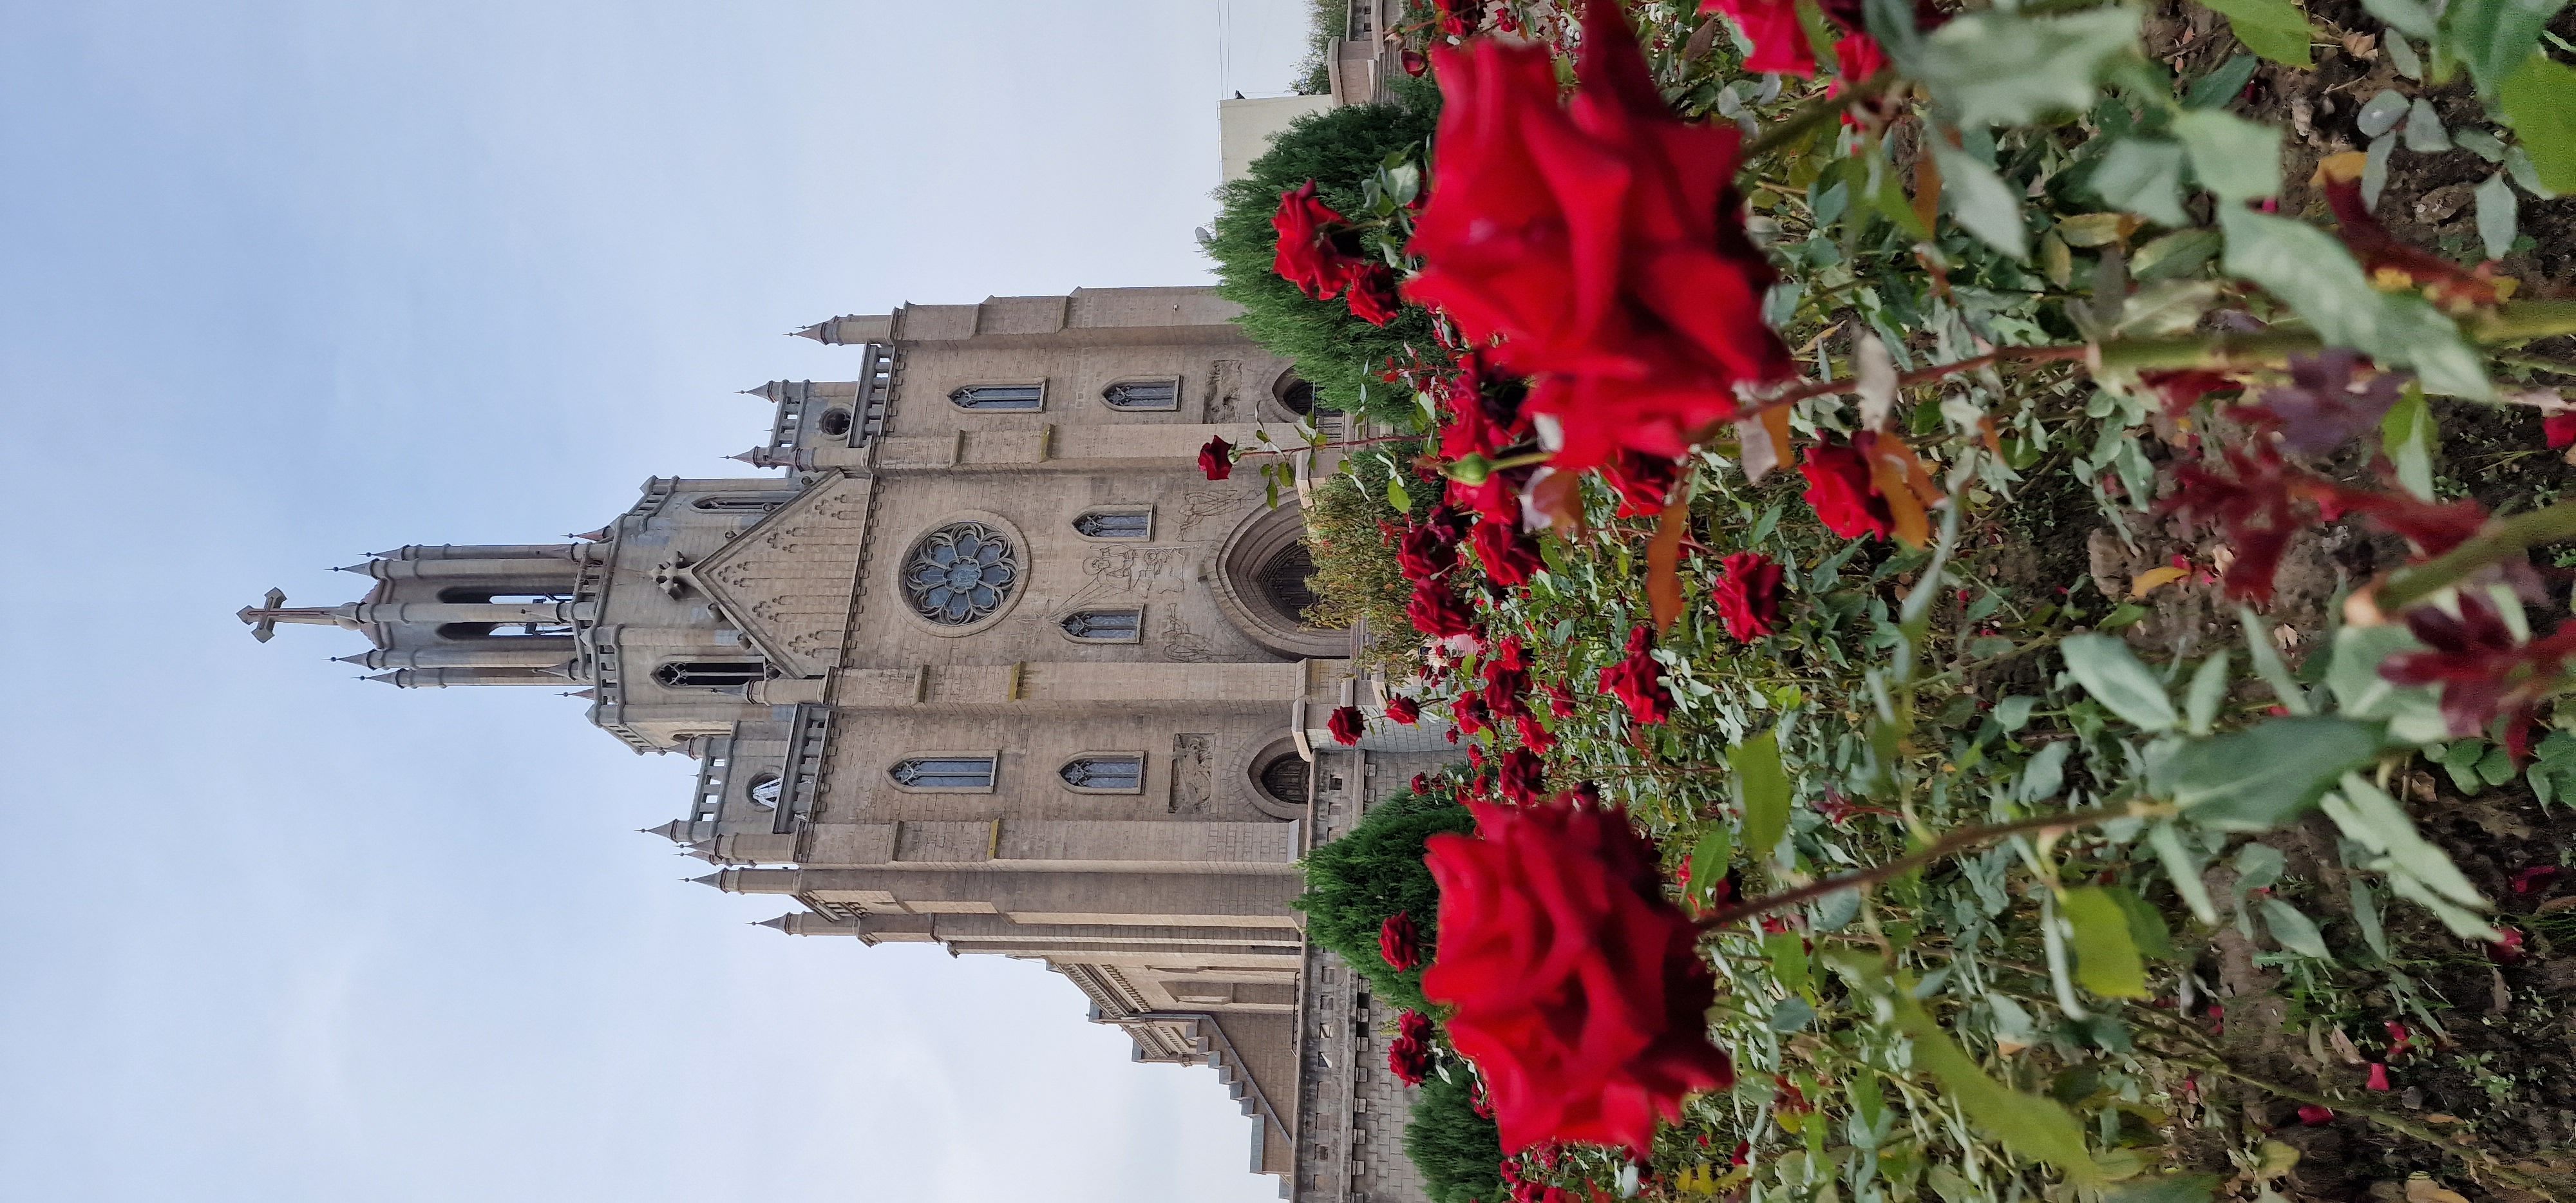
2033	1126
2406	434
2239	160
2106	959
2366	813
2294	930
1764	785
2182	870
2539	101
1793	1014
2365	915
2177	254
2143	176
2000	68
1787	952
2108	670
2494	38
2013	713
2220	86
2499	211
2306	267
2276	29
2208	689
1396	495
2045	772
1981	202
2146	924
2164	1188
2256	780
2267	663
2409	17
1708	860
2412	712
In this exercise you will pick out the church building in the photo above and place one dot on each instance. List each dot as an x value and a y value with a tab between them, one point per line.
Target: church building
980	658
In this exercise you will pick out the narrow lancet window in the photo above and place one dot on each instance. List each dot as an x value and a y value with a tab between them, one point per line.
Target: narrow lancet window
1001	397
1142	394
1115	524
954	773
1108	774
1105	626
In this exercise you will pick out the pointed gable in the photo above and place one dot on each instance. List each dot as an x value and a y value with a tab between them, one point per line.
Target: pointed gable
787	581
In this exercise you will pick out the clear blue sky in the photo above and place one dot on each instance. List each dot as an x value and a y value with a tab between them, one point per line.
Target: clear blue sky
283	283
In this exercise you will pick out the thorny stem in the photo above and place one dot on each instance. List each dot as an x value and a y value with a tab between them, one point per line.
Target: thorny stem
1848	384
1805	118
2500	539
1242	455
1949	845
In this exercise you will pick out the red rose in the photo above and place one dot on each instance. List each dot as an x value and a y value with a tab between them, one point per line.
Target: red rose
1534	736
1507	680
1560	700
1602	242
1844	497
1437	612
1429	549
1346	724
1307	257
1860	57
1400	942
1578	989
1637	680
1522	776
1372	295
1779	42
1747	593
1470	715
1403	710
1414	63
1409	1055
1508	553
1643	482
2559	429
1217	458
2507	951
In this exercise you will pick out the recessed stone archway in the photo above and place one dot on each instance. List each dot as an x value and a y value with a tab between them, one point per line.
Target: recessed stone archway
1261	583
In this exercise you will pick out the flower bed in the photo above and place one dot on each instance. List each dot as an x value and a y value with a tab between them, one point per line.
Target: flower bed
1977	676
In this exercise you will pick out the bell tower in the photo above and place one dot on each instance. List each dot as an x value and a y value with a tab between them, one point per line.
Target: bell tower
446	615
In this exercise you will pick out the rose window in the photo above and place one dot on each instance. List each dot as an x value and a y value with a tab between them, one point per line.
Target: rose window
960	573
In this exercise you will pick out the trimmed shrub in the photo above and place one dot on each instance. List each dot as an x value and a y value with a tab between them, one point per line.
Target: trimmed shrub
1459	1152
1337	353
1356	574
1354	883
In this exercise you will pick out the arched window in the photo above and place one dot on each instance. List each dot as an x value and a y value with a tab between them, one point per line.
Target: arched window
1287	580
1001	397
960	573
742	503
953	773
711	674
1143	394
1104	626
1284	779
1116	524
1120	773
765	790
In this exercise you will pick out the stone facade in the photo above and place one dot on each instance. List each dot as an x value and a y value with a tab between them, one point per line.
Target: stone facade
987	662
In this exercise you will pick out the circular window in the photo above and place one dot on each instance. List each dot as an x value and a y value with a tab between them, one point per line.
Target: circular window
960	573
836	422
1284	780
765	790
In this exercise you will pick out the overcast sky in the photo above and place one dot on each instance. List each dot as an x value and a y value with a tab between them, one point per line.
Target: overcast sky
284	283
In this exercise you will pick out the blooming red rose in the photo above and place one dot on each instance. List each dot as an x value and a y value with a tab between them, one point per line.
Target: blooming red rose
1414	63
1859	56
1841	491
1217	458
1779	42
1747	594
1534	735
1638	680
1436	611
1372	294
1577	988
1507	679
2505	951
1409	1055
1470	715
1427	550
1403	710
1509	554
1602	242
1643	482
1399	942
1560	700
1307	257
1522	776
1346	724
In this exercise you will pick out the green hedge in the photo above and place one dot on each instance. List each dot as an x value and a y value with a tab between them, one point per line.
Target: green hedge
1338	149
1354	883
1459	1152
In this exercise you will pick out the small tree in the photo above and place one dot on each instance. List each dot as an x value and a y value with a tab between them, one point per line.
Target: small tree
1354	883
1459	1152
1338	149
